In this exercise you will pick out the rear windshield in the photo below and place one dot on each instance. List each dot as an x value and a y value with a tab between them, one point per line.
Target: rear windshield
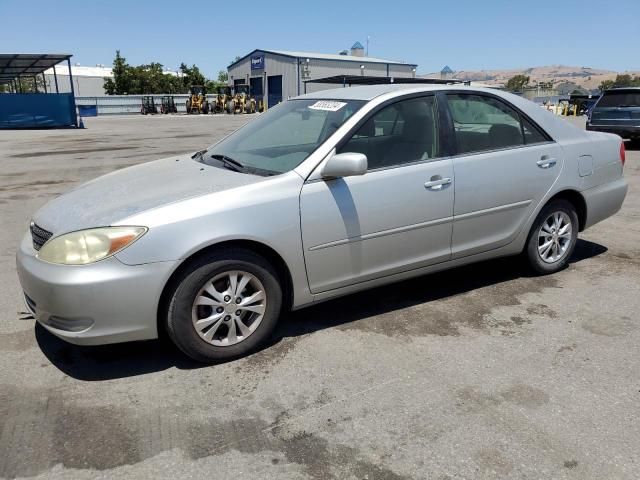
620	99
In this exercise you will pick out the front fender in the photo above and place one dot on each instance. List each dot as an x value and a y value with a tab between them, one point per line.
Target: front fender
266	212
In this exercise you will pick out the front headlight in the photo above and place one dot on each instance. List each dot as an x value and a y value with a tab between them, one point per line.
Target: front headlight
88	246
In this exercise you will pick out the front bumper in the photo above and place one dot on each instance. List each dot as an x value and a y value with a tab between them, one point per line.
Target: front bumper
104	302
624	131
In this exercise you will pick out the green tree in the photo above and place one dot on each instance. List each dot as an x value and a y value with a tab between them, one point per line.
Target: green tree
210	86
191	75
517	83
223	77
606	85
624	80
151	78
27	85
121	82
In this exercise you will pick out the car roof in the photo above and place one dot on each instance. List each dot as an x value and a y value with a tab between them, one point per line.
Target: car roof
559	129
369	92
622	89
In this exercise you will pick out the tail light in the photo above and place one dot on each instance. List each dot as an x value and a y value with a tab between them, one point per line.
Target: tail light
623	155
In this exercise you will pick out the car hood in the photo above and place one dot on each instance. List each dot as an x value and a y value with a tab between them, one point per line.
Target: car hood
126	192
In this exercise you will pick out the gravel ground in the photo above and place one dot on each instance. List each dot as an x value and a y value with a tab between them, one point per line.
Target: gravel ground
479	372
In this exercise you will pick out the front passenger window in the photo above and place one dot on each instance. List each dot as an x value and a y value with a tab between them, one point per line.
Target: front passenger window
401	133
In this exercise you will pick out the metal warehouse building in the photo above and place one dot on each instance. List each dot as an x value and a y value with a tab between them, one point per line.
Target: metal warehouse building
87	81
280	74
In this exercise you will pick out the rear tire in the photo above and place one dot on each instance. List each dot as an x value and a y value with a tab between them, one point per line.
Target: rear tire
204	318
553	237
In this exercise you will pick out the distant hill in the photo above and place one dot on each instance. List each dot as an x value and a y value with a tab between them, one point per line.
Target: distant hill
586	77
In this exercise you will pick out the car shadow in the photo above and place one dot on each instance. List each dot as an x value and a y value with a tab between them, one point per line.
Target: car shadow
409	293
107	362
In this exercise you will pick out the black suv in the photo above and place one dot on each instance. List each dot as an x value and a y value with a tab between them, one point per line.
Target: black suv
617	111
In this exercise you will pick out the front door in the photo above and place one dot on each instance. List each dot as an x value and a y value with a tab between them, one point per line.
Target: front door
504	167
396	217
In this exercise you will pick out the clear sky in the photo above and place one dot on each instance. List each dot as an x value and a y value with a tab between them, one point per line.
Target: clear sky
465	34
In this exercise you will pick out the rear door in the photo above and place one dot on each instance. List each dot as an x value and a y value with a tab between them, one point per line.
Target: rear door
504	167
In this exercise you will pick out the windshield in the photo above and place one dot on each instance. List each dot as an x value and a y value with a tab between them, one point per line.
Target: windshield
284	136
623	98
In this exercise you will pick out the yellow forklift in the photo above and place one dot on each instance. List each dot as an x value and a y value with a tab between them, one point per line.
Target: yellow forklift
197	101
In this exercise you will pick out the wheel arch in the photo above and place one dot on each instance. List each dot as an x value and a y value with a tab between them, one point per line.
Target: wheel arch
273	257
577	200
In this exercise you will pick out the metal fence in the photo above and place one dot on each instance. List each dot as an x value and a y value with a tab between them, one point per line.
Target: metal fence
123	104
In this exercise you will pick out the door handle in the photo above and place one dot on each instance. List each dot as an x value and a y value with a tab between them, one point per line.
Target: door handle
546	162
437	183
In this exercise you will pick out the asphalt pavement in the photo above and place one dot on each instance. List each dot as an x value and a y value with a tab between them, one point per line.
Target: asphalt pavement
480	372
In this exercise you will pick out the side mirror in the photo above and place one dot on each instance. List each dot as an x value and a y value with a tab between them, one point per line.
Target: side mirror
345	165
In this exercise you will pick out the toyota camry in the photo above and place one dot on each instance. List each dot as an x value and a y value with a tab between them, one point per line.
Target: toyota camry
323	195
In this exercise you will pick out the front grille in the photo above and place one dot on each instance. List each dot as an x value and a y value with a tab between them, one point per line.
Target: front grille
39	236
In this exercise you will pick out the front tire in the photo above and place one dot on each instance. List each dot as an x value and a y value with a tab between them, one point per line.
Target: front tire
224	306
553	237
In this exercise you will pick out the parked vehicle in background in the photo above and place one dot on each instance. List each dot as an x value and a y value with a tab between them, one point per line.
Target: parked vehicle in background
168	105
617	111
197	101
222	99
243	100
587	106
323	195
148	106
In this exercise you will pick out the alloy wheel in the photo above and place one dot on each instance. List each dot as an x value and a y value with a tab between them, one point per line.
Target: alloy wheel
229	308
554	237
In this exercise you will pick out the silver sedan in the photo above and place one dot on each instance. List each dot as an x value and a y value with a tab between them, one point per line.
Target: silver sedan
324	195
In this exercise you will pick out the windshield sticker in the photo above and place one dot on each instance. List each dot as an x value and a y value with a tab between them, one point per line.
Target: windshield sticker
327	105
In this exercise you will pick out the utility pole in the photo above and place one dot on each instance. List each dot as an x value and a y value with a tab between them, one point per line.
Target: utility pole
368	38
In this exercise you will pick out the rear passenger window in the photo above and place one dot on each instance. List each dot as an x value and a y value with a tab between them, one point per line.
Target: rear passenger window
401	133
484	123
531	133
